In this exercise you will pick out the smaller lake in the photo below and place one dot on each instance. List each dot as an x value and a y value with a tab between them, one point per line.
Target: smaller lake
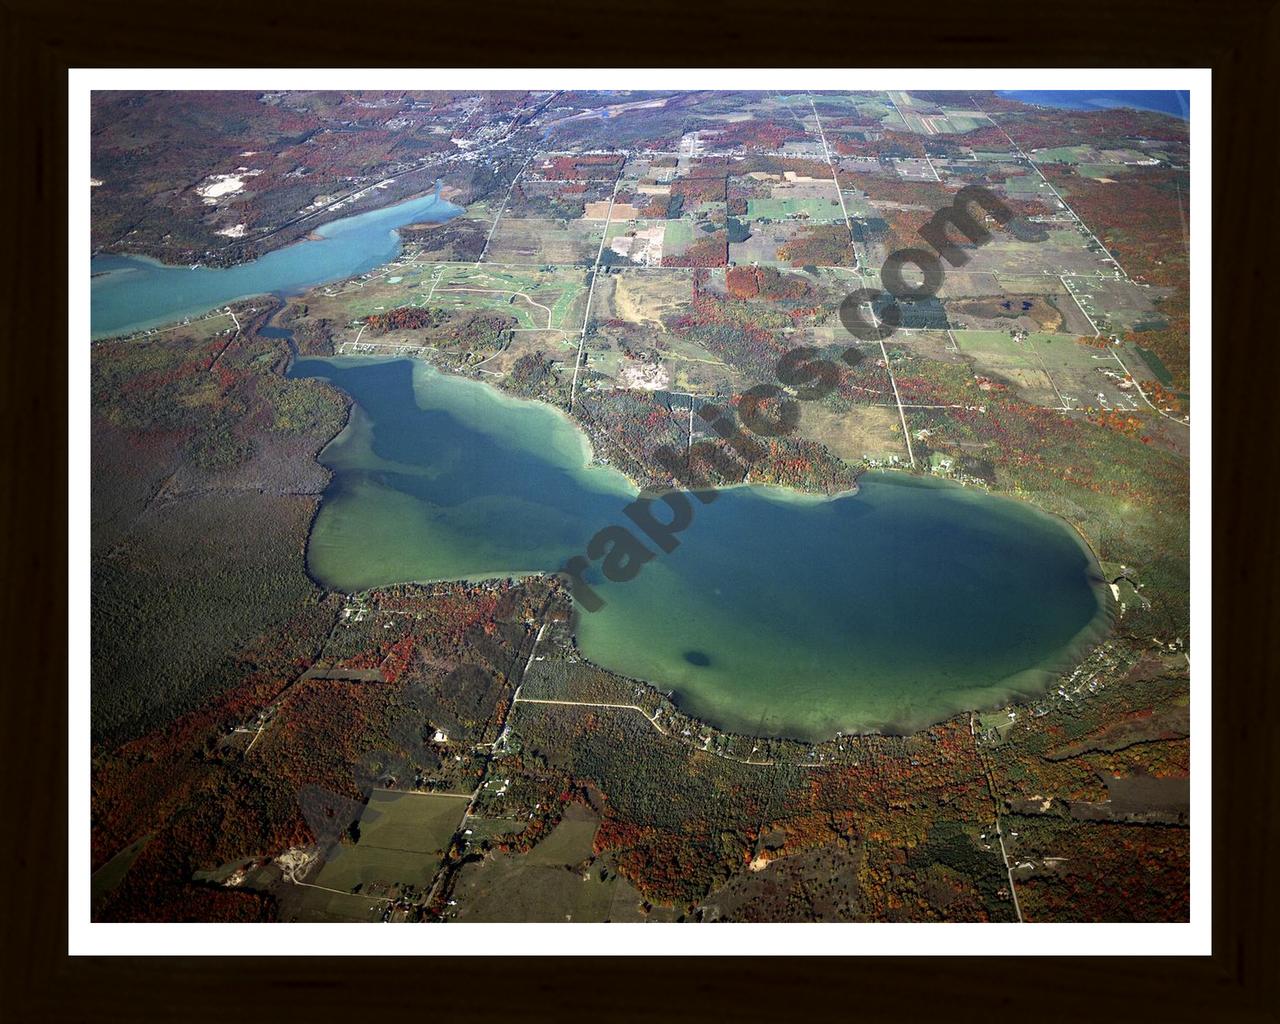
132	293
779	613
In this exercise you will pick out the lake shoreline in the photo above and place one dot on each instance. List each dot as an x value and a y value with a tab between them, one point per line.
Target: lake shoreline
1000	694
375	536
245	256
135	292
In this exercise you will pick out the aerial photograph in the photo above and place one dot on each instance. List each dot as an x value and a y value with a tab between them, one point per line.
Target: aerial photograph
677	506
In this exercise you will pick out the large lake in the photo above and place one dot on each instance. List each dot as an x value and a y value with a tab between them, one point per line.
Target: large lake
132	293
889	609
1176	102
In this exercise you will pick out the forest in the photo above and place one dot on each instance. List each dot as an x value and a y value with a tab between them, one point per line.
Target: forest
192	443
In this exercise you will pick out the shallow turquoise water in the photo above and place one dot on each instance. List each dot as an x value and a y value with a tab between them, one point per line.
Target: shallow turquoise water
131	293
777	614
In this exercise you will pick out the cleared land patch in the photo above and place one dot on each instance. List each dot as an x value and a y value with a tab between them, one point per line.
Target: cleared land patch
792	209
542	240
403	837
560	879
854	434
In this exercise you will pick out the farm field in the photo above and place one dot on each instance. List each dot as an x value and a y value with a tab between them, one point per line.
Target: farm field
402	839
856	435
815	209
536	241
678	236
560	879
1054	370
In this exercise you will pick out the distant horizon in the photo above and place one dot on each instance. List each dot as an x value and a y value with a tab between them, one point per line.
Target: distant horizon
1176	103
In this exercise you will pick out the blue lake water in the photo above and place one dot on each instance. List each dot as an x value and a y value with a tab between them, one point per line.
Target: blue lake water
132	293
778	613
1175	102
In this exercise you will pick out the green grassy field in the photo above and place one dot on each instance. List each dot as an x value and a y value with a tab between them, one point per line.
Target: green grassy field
858	205
403	837
1050	369
1100	170
316	905
1023	183
875	107
781	209
680	234
1062	154
1057	351
569	842
506	888
532	295
1062	351
536	298
996	349
546	884
963	121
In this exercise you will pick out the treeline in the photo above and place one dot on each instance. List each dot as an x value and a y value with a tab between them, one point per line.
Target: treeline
583	167
712	251
886	144
459	239
531	376
1113	872
300	147
405	318
760	133
679	824
629	425
765	283
1109	128
466	329
694	190
819	245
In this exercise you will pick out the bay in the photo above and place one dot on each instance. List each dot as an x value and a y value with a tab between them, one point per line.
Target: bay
133	293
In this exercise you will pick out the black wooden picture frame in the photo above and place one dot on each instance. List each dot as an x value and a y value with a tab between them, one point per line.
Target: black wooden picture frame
1236	38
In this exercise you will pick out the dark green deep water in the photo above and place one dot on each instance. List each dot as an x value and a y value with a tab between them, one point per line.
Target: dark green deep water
778	614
